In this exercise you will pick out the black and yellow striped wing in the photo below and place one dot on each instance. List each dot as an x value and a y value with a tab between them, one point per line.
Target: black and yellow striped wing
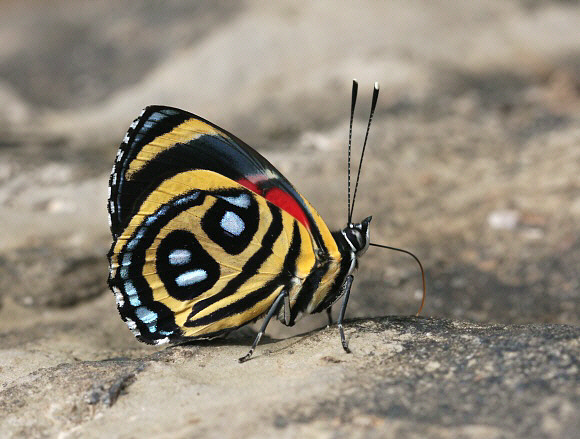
207	232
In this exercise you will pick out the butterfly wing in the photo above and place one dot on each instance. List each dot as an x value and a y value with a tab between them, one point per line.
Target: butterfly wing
206	231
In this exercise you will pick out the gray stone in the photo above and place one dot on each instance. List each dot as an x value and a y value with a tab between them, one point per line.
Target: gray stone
406	376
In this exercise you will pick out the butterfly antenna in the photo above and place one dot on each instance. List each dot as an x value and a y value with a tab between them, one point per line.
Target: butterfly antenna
373	106
352	104
420	266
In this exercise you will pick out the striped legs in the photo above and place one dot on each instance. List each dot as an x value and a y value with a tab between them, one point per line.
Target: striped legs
329	315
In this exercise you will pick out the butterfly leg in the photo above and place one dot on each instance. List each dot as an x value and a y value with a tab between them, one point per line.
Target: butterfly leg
346	286
329	315
273	310
287	313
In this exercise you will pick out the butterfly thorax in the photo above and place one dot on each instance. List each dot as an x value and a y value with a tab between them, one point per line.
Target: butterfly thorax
352	243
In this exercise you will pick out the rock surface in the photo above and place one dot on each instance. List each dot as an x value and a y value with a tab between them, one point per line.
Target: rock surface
406	377
473	163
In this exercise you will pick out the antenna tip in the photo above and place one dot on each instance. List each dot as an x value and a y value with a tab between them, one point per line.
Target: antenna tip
354	81
376	85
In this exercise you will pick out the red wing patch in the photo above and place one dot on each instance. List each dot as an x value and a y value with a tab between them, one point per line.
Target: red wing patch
280	198
250	185
287	202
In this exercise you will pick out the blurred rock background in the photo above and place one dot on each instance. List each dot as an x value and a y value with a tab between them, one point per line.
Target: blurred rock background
473	160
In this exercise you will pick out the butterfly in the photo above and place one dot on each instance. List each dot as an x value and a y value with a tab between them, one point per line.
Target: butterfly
208	235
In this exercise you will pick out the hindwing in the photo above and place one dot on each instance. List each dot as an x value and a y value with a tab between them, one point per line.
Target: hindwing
197	262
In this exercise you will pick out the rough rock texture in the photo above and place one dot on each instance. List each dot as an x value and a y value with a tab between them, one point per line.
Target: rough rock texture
473	164
406	377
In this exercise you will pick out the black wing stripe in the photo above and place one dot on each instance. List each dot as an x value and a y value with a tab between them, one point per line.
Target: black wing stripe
307	291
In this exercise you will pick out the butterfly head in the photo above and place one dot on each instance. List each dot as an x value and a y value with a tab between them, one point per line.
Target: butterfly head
358	236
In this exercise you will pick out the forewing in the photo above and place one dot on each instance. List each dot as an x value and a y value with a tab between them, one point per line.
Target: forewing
165	141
